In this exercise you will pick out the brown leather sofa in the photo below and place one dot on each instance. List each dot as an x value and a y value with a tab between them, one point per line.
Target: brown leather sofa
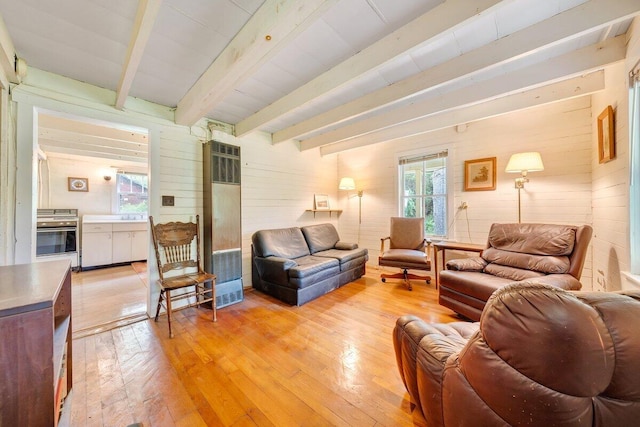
539	356
552	254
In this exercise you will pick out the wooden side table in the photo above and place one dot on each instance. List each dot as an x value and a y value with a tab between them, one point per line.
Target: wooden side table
454	246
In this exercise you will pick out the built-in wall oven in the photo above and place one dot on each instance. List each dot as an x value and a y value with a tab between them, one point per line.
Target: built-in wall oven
57	235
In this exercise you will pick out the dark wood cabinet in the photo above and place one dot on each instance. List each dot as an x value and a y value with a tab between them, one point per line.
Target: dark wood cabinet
35	342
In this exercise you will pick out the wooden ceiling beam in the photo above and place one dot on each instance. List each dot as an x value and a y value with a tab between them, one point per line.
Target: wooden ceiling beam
87	140
572	23
274	24
571	88
102	152
582	61
46	121
145	18
443	18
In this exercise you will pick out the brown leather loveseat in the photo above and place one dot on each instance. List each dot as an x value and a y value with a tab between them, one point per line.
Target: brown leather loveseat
552	254
539	356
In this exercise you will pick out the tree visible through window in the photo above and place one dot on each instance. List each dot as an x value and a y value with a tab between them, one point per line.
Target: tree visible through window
133	192
424	191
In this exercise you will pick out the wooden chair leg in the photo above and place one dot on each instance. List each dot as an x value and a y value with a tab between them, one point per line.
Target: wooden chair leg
159	304
168	300
213	303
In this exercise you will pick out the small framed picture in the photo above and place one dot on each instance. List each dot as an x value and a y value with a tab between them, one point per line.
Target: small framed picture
606	136
321	202
78	184
480	174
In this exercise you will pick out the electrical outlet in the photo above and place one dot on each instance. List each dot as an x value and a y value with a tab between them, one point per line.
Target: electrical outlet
463	205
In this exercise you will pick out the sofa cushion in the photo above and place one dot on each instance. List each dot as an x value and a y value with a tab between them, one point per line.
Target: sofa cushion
282	242
471	283
511	273
346	246
548	264
320	237
475	263
342	255
538	239
311	270
404	258
310	265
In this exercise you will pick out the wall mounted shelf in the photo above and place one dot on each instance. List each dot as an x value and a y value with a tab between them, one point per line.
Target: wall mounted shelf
331	211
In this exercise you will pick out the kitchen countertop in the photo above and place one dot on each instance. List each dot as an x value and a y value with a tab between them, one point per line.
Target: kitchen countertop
110	219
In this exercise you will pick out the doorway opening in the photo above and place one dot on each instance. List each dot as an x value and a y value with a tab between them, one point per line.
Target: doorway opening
113	290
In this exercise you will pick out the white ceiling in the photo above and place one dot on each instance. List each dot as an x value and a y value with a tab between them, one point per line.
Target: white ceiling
333	74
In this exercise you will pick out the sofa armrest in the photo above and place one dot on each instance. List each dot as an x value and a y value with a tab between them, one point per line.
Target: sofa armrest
408	335
345	246
563	281
433	352
274	269
467	264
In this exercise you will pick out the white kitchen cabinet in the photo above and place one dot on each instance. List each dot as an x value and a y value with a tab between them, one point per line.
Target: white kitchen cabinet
114	242
96	245
139	245
121	246
129	242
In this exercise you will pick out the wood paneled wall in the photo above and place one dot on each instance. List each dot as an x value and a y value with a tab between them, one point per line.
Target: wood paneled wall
561	194
611	243
278	185
99	200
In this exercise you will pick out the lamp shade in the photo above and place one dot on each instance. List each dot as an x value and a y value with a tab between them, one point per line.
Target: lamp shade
525	162
347	184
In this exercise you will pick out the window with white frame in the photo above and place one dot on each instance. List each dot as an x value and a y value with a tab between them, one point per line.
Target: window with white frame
423	190
132	192
634	189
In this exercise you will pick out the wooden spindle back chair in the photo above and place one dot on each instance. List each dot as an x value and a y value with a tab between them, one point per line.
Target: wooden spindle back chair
177	248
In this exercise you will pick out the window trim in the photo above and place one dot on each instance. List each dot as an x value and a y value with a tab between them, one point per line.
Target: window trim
116	193
427	152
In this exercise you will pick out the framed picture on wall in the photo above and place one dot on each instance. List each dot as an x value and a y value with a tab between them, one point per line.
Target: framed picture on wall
321	202
78	184
606	136
480	174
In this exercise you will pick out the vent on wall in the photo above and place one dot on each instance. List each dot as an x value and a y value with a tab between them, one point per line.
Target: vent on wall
229	293
225	163
227	265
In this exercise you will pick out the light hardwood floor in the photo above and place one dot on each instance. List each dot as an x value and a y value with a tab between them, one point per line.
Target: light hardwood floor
107	297
264	363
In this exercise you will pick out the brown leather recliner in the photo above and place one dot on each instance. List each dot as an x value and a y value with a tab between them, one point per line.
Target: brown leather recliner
548	253
539	356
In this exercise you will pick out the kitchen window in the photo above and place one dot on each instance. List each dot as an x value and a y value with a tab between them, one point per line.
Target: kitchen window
423	190
132	192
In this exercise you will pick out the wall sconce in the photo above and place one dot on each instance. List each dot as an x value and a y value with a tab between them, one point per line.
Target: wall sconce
523	163
347	183
108	173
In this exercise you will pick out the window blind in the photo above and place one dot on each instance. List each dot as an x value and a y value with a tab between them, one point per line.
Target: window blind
414	159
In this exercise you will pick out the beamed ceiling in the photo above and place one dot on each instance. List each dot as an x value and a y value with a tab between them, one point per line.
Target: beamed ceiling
333	74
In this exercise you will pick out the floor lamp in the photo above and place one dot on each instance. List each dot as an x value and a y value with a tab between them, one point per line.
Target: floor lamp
523	163
349	184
